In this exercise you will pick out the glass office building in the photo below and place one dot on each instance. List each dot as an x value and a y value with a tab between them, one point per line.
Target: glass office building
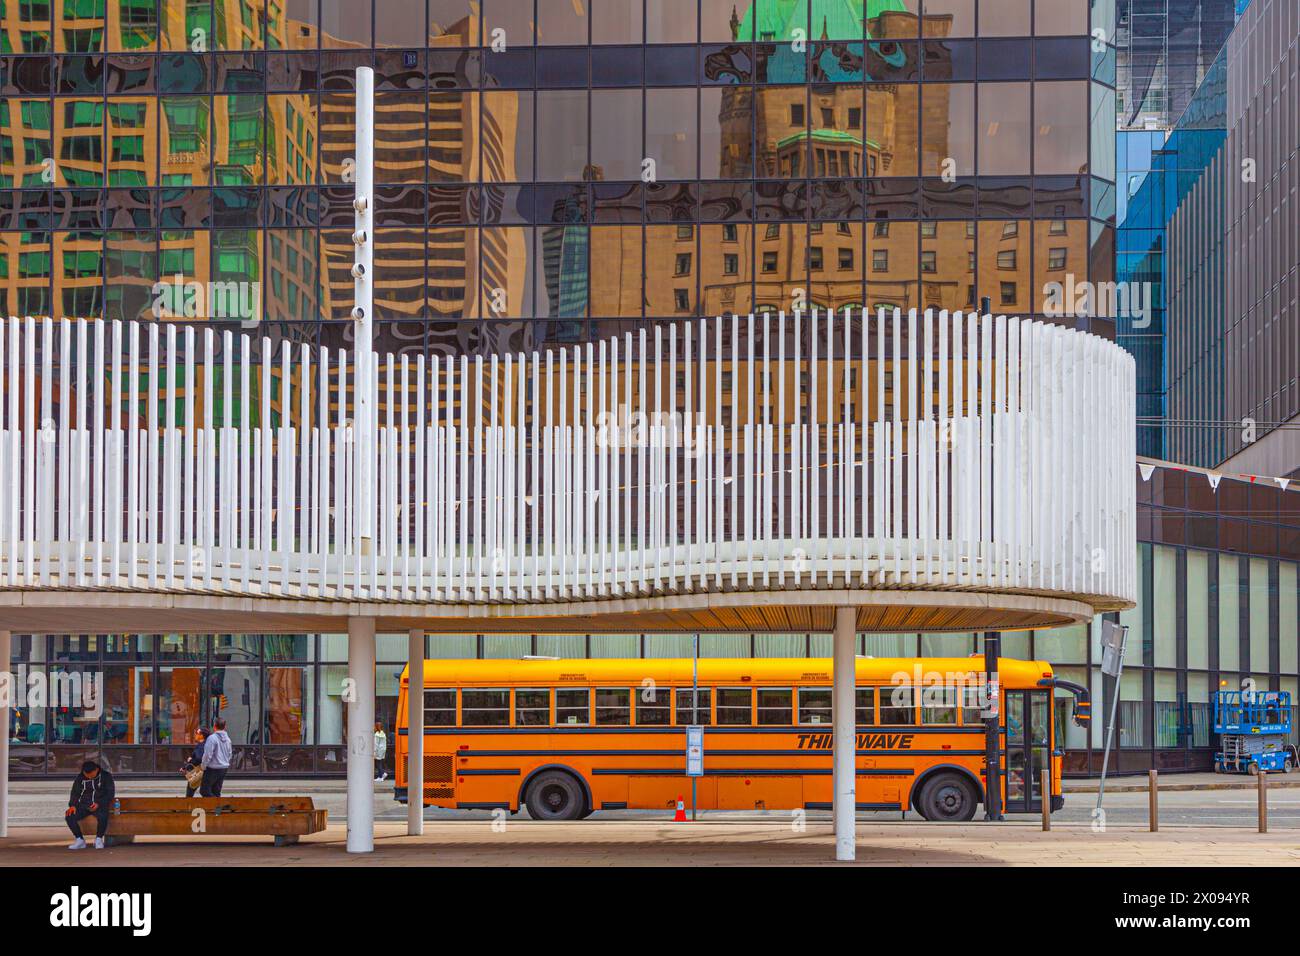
547	169
555	171
1164	49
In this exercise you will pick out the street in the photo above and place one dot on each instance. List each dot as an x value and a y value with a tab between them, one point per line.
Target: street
34	803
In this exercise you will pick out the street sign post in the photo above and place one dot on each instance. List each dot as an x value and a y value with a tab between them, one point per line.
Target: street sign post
695	733
695	751
1114	641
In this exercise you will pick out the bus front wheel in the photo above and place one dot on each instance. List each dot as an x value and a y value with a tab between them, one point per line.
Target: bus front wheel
948	798
555	795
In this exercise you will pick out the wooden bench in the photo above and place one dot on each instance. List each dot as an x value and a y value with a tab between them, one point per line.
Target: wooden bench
284	818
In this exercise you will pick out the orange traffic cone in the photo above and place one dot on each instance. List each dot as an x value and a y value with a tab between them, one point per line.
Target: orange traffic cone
680	815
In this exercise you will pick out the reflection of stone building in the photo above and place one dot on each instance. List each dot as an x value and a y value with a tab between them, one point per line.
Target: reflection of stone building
831	130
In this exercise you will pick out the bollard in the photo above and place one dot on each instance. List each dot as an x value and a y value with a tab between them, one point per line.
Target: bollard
1045	790
1154	800
1263	800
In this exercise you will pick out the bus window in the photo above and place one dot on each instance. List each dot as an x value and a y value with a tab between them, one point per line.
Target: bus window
866	705
775	706
734	706
897	705
532	707
440	708
972	705
613	706
939	705
684	697
485	708
572	706
815	705
652	707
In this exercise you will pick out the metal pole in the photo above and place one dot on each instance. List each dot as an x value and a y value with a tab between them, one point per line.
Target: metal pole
695	714
1045	789
1110	733
992	730
1263	800
1153	791
844	807
361	734
6	704
363	269
1114	709
415	733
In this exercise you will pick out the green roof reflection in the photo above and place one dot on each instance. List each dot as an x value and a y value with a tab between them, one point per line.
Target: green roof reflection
831	19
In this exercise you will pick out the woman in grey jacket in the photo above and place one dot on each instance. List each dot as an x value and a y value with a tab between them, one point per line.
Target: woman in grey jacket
216	759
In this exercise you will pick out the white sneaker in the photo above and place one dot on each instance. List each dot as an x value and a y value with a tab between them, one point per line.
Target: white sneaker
383	776
379	779
99	843
77	844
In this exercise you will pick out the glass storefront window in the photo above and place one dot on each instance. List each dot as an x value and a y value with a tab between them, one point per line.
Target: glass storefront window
182	647
179	712
1062	645
76	698
615	645
237	648
1068	734
1198	609
235	694
1131	721
562	645
1260	596
1288	618
1015	644
1200	714
1134	617
1164	606
1229	612
1170	714
288	706
128	716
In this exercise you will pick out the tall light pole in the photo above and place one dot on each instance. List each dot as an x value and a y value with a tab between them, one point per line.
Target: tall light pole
361	630
363	297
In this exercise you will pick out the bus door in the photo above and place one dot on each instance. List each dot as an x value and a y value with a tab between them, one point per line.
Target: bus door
1028	727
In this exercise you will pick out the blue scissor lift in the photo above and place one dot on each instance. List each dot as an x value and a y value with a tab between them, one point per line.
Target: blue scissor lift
1253	727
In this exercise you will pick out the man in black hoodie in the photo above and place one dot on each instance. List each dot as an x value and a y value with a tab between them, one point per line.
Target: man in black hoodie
92	796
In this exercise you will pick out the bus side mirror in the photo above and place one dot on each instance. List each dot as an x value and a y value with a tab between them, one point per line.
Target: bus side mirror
1081	712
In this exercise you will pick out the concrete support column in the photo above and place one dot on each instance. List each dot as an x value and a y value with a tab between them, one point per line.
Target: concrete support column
361	735
843	711
415	733
6	703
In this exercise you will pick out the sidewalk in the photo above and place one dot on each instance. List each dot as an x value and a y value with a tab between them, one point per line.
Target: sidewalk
1173	782
522	843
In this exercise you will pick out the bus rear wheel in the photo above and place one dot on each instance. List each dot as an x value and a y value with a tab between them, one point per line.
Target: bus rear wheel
555	795
947	798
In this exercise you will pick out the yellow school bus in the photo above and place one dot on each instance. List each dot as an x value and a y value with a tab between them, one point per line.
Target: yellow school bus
566	738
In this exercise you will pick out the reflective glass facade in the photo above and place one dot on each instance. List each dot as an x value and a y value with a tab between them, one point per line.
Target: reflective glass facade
1164	50
546	167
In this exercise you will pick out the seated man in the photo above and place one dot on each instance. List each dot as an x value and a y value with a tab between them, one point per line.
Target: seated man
92	795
